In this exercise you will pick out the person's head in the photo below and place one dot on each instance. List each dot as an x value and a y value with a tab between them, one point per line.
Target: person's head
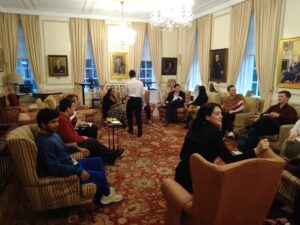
132	73
208	113
284	97
57	62
177	88
231	90
118	61
202	90
73	98
110	91
67	106
217	58
47	120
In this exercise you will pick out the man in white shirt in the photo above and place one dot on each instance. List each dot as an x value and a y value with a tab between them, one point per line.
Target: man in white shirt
134	89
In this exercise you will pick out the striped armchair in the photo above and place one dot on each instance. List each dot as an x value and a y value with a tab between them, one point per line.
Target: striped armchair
48	192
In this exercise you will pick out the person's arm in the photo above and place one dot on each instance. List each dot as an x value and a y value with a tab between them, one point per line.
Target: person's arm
288	116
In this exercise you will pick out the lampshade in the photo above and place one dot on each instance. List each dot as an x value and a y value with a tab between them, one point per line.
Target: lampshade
15	78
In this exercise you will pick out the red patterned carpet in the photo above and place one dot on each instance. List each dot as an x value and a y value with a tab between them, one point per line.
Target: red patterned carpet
137	175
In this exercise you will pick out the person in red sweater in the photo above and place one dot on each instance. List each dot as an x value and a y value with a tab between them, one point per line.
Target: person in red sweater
70	137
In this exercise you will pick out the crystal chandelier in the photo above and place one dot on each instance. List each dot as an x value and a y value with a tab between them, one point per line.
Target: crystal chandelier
170	14
124	34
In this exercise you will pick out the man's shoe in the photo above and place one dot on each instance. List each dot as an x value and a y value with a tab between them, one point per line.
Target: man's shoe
105	200
118	152
139	134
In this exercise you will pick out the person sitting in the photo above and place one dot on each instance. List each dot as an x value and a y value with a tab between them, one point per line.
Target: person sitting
291	146
90	131
71	138
293	75
232	105
271	120
201	99
147	109
205	137
54	160
174	101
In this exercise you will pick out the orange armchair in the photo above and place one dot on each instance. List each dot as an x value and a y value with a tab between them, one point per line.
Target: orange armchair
235	194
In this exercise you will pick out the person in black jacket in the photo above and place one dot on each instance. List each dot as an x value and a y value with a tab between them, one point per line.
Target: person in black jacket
174	100
201	99
205	138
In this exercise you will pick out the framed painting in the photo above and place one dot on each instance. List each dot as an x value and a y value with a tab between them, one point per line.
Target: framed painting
289	63
169	66
218	60
118	65
58	65
1	60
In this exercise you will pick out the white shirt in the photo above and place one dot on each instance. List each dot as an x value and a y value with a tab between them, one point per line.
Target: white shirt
134	88
176	96
297	128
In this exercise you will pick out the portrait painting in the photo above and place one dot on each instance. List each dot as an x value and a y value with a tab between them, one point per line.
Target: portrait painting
58	65
1	60
218	65
119	65
289	63
169	66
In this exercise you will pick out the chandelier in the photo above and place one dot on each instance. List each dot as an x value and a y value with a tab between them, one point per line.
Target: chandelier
124	34
170	14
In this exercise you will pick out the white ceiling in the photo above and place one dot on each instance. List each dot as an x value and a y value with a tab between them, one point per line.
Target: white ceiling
134	10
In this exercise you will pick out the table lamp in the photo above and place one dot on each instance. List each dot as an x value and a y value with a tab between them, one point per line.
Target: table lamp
15	79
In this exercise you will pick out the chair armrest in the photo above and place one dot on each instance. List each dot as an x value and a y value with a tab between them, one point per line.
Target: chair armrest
284	132
77	155
290	185
176	197
58	180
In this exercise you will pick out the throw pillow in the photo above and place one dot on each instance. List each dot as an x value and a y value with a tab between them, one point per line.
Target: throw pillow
13	99
51	102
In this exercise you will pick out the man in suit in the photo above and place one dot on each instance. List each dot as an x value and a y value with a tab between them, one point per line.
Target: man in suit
119	66
174	100
134	89
58	67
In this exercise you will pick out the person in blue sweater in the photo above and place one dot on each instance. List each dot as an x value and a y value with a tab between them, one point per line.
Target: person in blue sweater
53	159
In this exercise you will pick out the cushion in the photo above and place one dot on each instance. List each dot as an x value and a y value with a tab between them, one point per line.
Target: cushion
32	107
214	97
13	99
39	103
252	104
51	102
24	117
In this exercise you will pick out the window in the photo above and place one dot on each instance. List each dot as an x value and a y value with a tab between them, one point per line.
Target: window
146	74
90	75
194	72
247	79
23	64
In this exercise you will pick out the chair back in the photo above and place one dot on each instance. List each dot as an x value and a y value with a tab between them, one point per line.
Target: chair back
236	193
21	143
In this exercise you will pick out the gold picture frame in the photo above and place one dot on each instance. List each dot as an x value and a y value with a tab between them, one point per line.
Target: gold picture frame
119	65
289	63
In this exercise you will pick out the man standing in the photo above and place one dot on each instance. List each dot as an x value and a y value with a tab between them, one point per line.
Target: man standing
233	104
271	120
134	89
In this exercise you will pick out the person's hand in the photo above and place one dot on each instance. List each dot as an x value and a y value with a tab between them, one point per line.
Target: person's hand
84	175
85	152
85	137
241	102
274	114
293	135
262	146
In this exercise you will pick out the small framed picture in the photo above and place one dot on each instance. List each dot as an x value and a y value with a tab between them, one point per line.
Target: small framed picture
58	65
169	66
218	65
119	65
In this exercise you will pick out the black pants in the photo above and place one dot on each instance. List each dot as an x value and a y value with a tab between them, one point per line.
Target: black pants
134	104
89	131
266	125
171	110
147	110
98	150
227	122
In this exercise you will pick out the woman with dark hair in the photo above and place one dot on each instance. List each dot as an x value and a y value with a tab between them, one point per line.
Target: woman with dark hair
112	108
205	138
201	99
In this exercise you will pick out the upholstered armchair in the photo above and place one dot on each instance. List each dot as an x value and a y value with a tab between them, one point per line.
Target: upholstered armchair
234	194
44	193
152	107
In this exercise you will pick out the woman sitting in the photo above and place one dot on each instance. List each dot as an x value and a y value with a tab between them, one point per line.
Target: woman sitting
205	138
201	99
112	108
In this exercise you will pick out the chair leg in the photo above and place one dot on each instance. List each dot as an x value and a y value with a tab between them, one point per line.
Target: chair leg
73	218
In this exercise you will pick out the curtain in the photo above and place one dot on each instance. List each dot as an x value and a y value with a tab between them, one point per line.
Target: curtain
10	41
138	46
32	32
78	29
240	20
2	30
99	39
267	17
188	51
204	36
155	43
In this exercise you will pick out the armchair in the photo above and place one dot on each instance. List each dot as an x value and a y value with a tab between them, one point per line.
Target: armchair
44	193
234	194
